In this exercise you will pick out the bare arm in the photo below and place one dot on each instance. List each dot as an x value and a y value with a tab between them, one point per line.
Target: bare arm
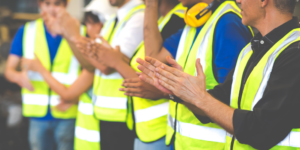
11	73
103	68
15	76
126	70
82	60
152	38
69	94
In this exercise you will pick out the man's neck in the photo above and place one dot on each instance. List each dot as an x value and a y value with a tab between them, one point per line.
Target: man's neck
125	2
271	21
165	7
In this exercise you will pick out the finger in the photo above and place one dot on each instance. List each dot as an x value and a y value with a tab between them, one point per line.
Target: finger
167	80
147	79
131	85
117	48
153	61
131	80
145	64
173	63
199	68
138	73
146	71
166	85
134	94
169	75
130	90
171	70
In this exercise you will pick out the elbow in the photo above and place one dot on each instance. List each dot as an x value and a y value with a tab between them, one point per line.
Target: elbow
258	144
107	70
7	75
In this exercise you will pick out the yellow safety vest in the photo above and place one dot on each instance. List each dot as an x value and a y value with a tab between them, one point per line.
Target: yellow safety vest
110	104
255	87
65	69
150	117
188	131
87	131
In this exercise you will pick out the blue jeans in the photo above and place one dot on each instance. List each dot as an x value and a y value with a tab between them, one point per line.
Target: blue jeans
50	135
157	145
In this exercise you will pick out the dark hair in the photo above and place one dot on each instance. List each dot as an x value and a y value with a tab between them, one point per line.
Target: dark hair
285	6
64	1
91	15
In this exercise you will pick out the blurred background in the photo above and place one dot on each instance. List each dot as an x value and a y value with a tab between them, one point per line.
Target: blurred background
13	14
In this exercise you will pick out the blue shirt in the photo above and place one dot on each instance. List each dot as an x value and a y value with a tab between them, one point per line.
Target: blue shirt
231	36
53	45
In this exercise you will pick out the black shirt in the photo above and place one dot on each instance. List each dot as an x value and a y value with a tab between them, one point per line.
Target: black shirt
278	111
174	24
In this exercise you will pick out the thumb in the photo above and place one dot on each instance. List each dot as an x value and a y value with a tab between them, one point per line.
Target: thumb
117	48
199	68
173	63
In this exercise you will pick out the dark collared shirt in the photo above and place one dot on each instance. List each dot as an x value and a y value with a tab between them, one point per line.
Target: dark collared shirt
278	111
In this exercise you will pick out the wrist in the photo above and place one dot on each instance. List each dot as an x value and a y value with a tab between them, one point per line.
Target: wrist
118	64
201	101
152	3
74	38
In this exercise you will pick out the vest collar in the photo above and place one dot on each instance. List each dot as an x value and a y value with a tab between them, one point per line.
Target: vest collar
259	42
123	11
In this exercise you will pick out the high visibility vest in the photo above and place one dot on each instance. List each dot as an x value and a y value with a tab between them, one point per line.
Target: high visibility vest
65	69
188	131
150	117
255	86
110	104
87	131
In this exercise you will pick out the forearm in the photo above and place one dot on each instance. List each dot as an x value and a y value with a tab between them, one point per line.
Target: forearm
152	37
217	111
56	86
126	70
83	62
103	68
194	109
12	75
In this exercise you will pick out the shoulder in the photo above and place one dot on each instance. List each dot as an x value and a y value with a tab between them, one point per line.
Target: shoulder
230	25
289	58
138	16
231	21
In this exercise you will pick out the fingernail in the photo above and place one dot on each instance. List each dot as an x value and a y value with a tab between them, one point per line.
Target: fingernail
162	66
159	81
157	74
156	69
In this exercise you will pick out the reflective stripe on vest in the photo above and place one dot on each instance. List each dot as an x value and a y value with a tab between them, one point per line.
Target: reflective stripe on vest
258	80
87	131
65	69
110	104
150	117
185	121
198	132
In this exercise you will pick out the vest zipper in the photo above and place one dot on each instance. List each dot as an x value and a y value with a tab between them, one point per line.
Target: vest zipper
175	126
133	116
49	92
232	142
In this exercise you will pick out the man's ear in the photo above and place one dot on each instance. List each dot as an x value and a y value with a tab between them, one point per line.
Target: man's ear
264	3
